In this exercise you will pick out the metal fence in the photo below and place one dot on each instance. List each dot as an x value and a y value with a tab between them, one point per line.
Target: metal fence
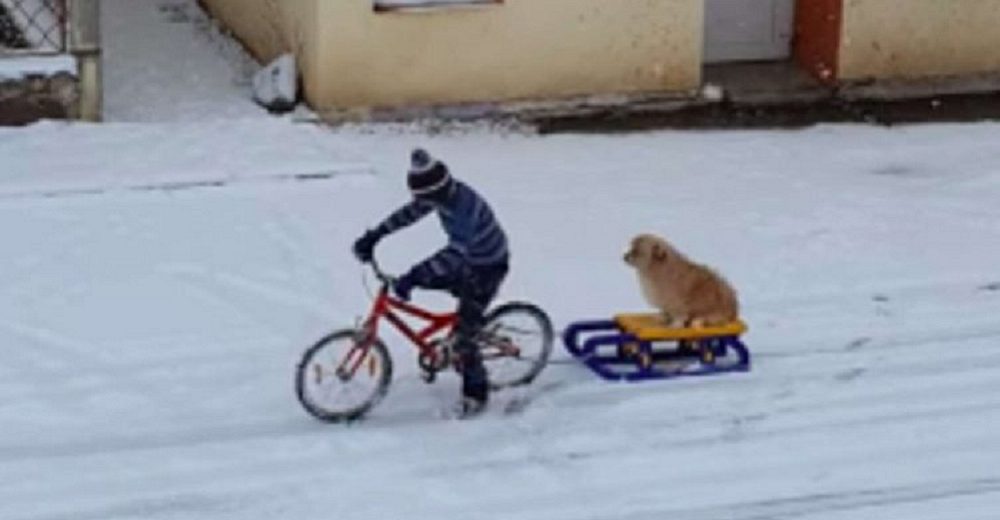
33	27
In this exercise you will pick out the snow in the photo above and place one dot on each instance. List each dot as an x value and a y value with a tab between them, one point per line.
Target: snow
169	62
20	67
275	86
162	278
97	158
151	335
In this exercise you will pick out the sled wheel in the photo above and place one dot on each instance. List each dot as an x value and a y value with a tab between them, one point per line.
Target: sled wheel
516	343
685	346
710	349
338	380
645	360
628	351
707	355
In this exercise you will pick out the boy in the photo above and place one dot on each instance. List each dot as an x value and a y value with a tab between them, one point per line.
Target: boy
472	266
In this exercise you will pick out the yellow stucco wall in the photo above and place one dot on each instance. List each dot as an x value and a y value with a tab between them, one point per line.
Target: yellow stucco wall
273	27
912	38
515	50
520	49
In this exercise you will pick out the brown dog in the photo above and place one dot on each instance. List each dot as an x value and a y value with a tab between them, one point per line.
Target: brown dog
690	294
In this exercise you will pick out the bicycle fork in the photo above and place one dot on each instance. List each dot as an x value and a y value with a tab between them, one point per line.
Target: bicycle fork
355	357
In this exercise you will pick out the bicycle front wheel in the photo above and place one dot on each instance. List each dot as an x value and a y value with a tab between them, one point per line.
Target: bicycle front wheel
516	343
339	380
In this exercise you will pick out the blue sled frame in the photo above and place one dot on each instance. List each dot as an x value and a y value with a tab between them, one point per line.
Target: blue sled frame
617	355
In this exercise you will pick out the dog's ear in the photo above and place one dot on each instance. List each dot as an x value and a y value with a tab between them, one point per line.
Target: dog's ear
659	252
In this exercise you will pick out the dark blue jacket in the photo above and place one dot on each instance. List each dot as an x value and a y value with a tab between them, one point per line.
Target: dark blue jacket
475	238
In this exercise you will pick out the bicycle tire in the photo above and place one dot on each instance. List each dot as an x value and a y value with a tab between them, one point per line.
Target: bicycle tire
535	362
350	413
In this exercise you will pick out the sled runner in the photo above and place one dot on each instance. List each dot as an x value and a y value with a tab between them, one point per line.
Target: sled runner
637	347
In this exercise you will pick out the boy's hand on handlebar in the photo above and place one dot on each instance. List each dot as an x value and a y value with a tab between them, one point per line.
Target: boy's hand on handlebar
364	247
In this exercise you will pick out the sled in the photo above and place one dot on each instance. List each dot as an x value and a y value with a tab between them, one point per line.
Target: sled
638	347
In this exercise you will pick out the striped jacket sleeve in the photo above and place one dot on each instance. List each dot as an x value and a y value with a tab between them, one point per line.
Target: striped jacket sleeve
441	266
448	261
404	217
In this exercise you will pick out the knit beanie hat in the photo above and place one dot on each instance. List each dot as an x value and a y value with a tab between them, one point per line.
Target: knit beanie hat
428	178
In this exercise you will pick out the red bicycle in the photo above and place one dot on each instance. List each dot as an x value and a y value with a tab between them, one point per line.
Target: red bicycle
346	373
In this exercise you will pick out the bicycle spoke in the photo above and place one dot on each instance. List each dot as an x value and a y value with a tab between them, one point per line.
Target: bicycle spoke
340	380
516	345
518	330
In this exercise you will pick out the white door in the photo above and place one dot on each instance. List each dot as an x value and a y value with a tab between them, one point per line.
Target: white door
746	30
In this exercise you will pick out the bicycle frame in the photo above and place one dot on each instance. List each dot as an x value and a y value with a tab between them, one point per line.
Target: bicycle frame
385	306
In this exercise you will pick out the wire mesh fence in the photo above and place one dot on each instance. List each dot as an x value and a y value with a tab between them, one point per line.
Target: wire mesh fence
32	26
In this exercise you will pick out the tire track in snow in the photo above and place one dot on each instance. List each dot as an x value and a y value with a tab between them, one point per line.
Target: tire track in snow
271	430
739	430
76	355
78	373
202	279
923	359
155	440
887	342
808	505
285	229
946	396
168	186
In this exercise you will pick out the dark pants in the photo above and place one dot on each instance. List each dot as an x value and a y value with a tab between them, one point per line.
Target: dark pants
475	288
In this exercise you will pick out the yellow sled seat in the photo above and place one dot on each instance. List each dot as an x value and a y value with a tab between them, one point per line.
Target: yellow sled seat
653	327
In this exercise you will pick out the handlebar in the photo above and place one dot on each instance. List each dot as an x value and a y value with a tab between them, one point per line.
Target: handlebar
386	279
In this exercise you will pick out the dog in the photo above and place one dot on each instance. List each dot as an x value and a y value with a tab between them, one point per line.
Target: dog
689	294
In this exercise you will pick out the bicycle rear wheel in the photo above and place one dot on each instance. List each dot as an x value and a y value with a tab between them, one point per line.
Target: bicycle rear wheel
516	343
337	380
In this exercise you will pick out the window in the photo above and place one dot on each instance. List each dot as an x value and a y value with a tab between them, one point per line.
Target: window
33	25
396	5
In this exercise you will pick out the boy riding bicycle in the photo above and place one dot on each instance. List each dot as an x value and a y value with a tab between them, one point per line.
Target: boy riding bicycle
471	267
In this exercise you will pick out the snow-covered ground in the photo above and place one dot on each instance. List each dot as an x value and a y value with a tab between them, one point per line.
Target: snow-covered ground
161	280
164	60
150	336
19	67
